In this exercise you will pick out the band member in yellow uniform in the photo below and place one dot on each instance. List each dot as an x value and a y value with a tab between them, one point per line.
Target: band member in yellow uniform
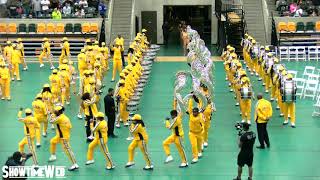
196	124
47	98
101	137
105	54
55	83
46	52
123	97
40	113
65	50
288	91
90	110
63	130
245	101
65	80
7	51
82	63
20	48
207	114
15	61
30	126
120	41
176	137
5	81
138	130
117	63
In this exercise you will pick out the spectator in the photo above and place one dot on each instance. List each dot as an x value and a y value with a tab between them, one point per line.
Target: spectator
293	8
67	9
93	3
80	13
299	12
56	14
36	6
45	6
54	4
83	3
102	9
19	10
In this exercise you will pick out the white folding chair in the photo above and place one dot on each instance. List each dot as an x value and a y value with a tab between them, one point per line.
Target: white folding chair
312	53
310	89
301	53
293	73
293	53
313	77
284	53
300	83
307	71
316	106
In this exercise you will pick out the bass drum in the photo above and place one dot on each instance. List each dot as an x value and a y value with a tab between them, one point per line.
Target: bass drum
245	93
288	91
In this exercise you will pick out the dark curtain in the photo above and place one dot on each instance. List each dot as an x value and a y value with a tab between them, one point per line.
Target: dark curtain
102	37
274	38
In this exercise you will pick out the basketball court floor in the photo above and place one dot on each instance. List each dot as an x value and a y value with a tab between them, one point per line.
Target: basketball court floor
294	153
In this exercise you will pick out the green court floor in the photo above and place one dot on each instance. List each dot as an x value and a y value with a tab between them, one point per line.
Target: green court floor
294	153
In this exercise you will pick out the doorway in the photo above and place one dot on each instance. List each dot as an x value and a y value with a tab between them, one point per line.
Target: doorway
149	22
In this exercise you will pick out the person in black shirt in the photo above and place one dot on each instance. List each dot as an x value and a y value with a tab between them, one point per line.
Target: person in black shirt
245	156
110	111
17	159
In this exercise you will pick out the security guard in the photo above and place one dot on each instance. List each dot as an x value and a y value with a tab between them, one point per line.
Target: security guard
62	136
101	137
196	123
176	137
138	130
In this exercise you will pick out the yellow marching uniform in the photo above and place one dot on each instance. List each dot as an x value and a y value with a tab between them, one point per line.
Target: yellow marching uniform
7	51
289	102
63	130
101	137
65	80
176	137
123	98
55	83
90	111
30	126
20	48
46	53
245	100
15	61
117	63
65	50
82	64
196	123
5	81
47	98
141	138
207	114
40	113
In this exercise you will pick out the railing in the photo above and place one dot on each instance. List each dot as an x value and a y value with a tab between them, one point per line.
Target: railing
266	17
132	27
109	22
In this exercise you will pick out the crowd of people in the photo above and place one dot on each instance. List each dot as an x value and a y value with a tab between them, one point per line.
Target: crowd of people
56	9
300	8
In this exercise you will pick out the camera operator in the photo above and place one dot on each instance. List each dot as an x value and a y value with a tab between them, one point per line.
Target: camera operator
245	156
17	159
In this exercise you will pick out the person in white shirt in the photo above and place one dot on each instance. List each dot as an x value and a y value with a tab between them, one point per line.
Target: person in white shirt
45	6
83	3
66	9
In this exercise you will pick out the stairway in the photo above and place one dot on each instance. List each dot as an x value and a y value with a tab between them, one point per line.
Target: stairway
255	20
272	7
121	20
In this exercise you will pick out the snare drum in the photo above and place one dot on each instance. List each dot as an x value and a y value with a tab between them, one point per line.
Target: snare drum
288	91
132	106
246	93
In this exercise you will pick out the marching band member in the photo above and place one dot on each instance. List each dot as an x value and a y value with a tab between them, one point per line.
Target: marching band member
176	137
105	54
5	81
7	51
288	92
245	101
101	137
117	63
196	124
63	126
40	113
141	138
15	61
90	111
82	63
20	48
46	52
123	97
65	50
55	84
65	80
30	126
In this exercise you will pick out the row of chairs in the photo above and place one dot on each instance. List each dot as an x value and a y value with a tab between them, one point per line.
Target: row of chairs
299	53
308	84
49	28
299	27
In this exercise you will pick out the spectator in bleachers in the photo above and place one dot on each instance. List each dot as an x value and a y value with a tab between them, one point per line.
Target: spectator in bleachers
298	12
80	13
45	6
36	6
54	4
56	14
83	3
66	9
93	3
102	9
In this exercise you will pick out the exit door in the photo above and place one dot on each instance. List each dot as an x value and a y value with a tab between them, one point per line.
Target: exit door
149	22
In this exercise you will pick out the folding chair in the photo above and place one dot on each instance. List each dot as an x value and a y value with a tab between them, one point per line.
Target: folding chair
50	28
316	106
307	71
311	88
301	53
32	28
41	28
300	83
313	77
60	28
282	27
294	73
312	53
85	28
318	26
292	27
12	28
284	53
94	28
293	53
3	28
22	28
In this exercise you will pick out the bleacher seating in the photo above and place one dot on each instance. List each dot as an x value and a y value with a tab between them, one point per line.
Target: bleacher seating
50	28
41	28
60	28
22	29
85	28
3	28
12	28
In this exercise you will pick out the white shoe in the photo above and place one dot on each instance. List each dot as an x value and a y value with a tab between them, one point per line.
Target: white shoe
169	159
126	124
231	90
243	121
41	65
237	104
293	125
90	162
52	126
263	84
199	155
44	134
79	116
226	79
257	74
118	125
90	137
67	102
52	67
148	167
38	145
12	79
194	160
251	73
281	115
73	167
183	165
3	98
266	91
52	158
249	122
130	138
259	79
25	68
271	99
285	122
129	164
205	144
110	167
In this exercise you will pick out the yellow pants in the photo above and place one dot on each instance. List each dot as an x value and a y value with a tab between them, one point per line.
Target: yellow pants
65	94
15	71
143	147
24	142
267	82
124	114
178	141
104	149
273	91
207	125
42	55
30	142
56	93
289	108
62	57
280	103
117	66
255	65
196	140
42	119
245	107
5	87
65	145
